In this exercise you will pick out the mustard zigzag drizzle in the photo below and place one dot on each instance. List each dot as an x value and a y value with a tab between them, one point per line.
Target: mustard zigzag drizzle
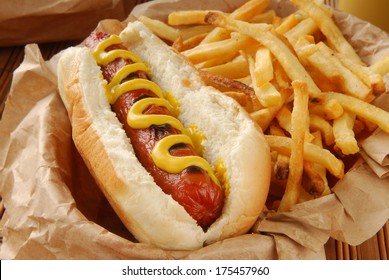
135	117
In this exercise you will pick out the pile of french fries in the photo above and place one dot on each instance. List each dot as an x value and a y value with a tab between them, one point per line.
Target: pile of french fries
296	76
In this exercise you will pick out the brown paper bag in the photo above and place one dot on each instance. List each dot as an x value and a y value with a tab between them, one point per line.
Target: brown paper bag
54	209
36	21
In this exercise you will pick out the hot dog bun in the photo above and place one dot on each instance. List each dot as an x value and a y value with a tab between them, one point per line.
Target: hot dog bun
149	214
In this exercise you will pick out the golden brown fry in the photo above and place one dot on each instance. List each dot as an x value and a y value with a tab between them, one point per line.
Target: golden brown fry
218	60
264	116
362	109
160	28
235	69
318	167
299	120
325	61
320	124
187	17
329	110
344	134
265	17
268	95
261	71
189	32
381	66
359	126
284	118
280	51
228	47
328	27
240	97
312	181
281	165
368	125
170	33
280	76
287	24
245	12
225	84
372	79
263	66
305	27
312	153
180	45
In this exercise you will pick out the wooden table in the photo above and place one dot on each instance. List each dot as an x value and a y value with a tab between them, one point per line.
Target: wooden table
375	248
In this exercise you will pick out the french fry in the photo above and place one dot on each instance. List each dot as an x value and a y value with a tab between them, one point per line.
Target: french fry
160	28
323	126
261	71
281	165
305	27
287	24
381	66
318	167
240	97
235	69
300	116
284	118
325	61
328	27
216	61
371	79
280	77
246	80
263	66
226	47
170	33
312	182
225	84
312	153
362	109
280	51
265	17
187	17
344	134
189	32
329	110
268	95
182	45
245	12
264	116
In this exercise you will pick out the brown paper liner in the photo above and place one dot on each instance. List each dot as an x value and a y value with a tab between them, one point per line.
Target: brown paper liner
56	20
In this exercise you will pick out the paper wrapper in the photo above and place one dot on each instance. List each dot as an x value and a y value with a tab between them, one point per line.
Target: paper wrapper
54	209
35	21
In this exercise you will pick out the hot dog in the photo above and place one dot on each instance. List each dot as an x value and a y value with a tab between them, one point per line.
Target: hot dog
181	164
192	187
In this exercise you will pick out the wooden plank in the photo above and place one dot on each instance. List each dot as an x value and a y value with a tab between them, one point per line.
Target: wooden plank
369	249
10	59
330	249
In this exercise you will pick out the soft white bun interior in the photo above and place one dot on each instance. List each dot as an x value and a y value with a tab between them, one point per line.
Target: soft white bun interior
152	216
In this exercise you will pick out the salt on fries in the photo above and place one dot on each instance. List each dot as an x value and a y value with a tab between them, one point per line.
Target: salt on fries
296	76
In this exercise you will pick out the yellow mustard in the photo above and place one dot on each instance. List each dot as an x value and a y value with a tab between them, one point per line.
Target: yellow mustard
136	119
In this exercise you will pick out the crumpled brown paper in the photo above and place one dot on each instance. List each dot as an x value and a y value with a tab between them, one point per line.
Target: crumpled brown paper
36	21
54	210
